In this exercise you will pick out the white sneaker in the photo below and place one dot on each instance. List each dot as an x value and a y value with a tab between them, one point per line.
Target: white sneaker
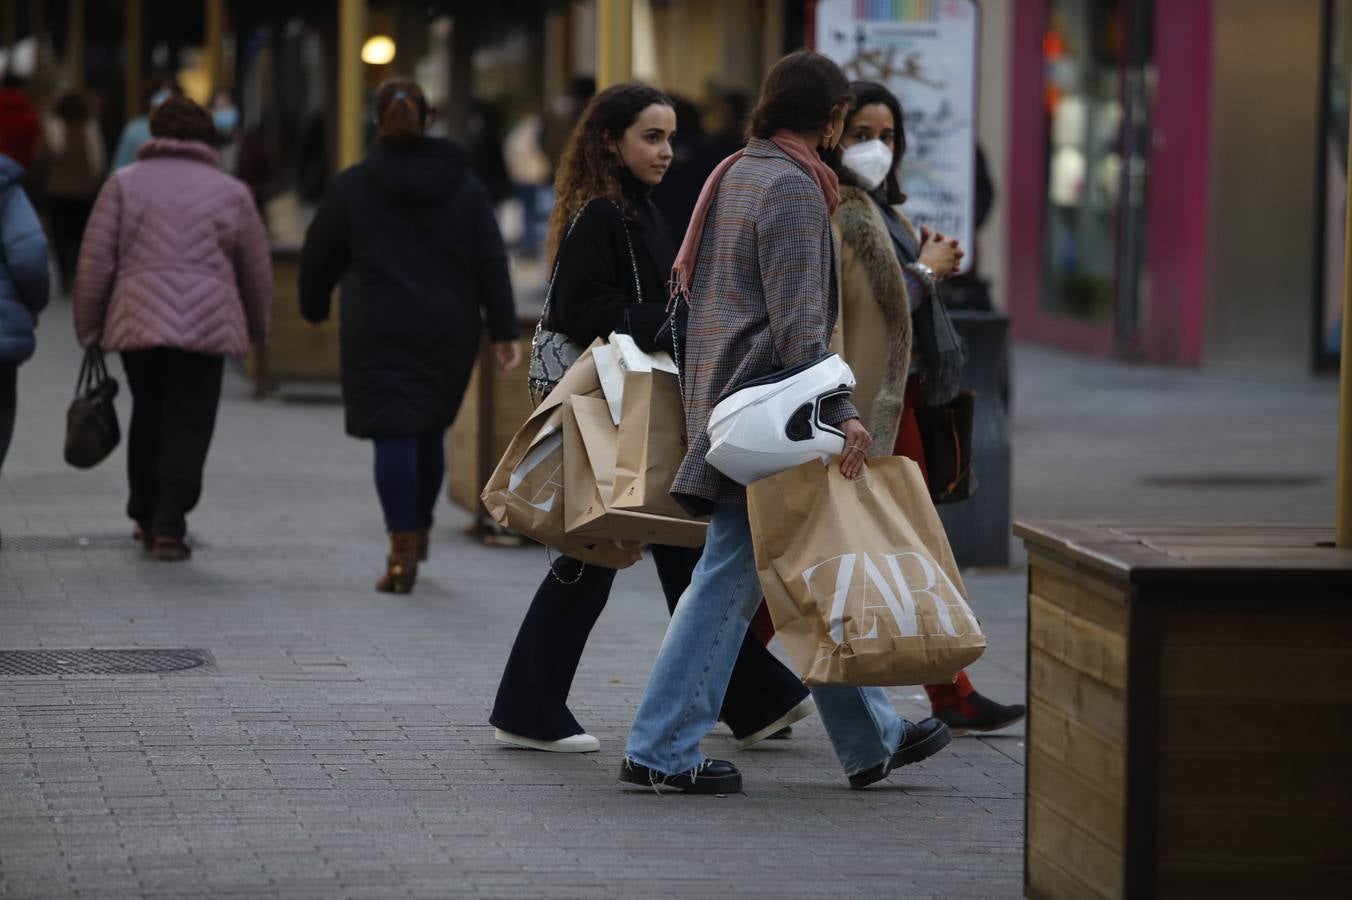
801	711
578	743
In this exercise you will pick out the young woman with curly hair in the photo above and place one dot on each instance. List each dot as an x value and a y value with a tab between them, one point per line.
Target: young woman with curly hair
619	150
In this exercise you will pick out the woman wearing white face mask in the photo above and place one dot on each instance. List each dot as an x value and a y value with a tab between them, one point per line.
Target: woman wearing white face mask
896	334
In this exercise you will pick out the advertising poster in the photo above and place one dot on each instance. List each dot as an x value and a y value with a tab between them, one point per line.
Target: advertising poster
925	52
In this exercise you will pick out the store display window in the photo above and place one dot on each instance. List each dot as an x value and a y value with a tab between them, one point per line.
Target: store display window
1094	54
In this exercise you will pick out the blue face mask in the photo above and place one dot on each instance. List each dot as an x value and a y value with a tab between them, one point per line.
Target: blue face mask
226	119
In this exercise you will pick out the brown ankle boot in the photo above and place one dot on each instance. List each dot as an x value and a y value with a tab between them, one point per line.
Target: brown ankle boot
424	540
401	568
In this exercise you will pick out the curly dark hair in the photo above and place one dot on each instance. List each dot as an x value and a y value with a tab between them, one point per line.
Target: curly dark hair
182	119
588	169
803	92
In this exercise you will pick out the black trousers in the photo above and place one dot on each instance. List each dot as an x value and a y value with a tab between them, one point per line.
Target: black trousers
69	216
532	698
9	402
174	397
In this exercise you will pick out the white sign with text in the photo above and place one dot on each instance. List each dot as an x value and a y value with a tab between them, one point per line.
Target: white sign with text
924	51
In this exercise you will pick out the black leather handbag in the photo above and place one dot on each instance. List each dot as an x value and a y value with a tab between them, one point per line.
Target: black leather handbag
946	434
91	422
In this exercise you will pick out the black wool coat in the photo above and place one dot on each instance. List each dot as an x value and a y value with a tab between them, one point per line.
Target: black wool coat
594	290
411	234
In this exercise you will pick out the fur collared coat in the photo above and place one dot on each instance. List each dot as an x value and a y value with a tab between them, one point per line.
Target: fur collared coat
875	316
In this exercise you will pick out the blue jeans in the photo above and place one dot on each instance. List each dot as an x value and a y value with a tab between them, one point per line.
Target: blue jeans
685	689
409	471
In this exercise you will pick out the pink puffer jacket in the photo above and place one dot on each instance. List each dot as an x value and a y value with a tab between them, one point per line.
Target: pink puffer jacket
175	255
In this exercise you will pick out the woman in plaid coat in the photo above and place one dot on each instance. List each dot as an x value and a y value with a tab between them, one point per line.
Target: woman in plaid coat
758	264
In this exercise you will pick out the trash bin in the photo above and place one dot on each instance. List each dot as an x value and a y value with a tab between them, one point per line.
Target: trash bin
979	528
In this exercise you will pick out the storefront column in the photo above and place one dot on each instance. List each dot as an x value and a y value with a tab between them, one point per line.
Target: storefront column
133	36
9	26
614	42
772	36
213	43
1344	509
351	87
75	44
558	51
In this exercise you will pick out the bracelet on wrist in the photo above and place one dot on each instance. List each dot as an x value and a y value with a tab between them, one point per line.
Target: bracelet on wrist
927	275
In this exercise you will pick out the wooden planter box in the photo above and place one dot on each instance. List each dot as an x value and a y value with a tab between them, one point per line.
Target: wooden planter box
1190	712
295	351
495	406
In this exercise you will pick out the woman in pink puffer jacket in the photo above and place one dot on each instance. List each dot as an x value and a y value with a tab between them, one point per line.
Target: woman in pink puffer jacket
175	274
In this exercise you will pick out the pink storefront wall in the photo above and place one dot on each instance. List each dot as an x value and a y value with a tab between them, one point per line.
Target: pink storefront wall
1174	304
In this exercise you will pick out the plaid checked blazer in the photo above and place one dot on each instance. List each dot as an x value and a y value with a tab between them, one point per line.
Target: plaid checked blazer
763	298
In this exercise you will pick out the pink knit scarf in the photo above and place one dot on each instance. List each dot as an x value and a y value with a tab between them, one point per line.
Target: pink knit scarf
682	273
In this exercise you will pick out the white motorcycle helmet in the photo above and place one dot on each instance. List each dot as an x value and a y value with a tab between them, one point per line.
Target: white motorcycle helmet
774	423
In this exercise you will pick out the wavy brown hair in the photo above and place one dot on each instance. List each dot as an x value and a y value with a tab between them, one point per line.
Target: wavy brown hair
588	168
801	93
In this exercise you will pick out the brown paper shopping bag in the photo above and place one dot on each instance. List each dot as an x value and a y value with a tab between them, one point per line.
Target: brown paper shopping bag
526	491
652	444
589	441
859	577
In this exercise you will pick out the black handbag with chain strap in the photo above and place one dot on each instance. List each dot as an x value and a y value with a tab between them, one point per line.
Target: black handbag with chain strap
553	352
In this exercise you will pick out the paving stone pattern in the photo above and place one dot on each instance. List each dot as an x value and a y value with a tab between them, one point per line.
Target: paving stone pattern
337	746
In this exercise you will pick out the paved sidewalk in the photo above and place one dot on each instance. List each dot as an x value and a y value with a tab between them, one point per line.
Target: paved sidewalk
338	746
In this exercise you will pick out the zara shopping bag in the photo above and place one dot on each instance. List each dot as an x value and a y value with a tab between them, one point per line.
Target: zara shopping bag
859	577
589	443
652	444
91	421
526	491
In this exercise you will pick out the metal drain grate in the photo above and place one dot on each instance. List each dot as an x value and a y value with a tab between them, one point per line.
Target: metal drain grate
99	662
55	543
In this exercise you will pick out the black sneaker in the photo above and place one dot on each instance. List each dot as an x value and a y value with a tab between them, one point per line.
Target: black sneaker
714	776
920	740
976	713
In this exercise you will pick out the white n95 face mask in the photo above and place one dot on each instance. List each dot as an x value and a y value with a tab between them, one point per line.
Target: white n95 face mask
870	162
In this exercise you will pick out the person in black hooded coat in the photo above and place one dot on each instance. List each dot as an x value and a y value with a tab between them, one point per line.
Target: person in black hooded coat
411	233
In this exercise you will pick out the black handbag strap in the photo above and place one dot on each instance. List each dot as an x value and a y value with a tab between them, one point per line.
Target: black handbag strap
93	371
558	256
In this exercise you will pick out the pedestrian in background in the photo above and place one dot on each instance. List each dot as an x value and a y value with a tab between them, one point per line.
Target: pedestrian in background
883	261
24	288
410	232
73	163
225	116
137	130
20	122
175	274
614	255
758	263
